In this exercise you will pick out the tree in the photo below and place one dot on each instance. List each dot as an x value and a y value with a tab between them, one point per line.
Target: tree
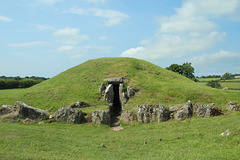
185	69
214	84
227	76
188	70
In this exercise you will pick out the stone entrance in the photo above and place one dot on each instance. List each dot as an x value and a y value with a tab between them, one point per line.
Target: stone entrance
113	94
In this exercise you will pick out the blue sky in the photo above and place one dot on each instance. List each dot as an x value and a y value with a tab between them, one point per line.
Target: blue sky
47	37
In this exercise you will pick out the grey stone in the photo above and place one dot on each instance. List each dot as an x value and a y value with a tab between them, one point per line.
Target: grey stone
109	93
122	96
186	111
233	106
6	109
130	92
151	113
162	114
69	115
102	89
172	111
226	133
79	104
127	116
115	80
28	120
207	111
101	116
26	111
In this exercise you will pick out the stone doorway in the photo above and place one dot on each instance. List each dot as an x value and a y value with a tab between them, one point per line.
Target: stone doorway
117	106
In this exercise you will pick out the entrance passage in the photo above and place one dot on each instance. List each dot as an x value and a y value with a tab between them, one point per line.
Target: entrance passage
117	107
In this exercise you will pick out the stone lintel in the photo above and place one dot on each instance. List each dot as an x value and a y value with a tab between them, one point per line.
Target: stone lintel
115	80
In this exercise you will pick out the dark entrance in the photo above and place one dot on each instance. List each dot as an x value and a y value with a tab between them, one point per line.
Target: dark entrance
117	107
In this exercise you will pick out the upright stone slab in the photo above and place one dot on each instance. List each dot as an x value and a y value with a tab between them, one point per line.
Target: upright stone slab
186	111
102	89
109	93
162	114
130	92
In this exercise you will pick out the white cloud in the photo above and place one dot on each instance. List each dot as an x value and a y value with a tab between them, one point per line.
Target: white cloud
134	52
49	2
75	10
76	56
220	57
19	54
191	29
70	36
28	44
65	48
44	27
95	1
66	32
102	38
110	17
5	19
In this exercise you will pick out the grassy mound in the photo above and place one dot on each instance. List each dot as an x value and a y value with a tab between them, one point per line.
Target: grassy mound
152	84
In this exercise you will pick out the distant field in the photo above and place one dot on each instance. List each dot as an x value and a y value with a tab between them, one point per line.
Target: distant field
199	139
233	84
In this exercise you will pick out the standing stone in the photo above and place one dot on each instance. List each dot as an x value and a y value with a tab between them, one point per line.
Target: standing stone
130	92
186	111
69	115
102	89
162	114
109	93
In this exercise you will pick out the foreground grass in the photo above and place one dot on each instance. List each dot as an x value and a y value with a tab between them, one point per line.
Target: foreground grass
199	139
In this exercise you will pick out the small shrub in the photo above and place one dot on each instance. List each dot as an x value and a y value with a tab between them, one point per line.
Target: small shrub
214	84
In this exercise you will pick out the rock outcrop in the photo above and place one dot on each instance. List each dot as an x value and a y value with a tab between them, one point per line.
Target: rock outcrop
69	115
101	116
20	111
186	111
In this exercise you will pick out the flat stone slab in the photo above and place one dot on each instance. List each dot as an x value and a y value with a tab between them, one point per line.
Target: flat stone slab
115	80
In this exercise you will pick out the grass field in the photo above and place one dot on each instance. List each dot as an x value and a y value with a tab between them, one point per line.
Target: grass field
232	84
199	139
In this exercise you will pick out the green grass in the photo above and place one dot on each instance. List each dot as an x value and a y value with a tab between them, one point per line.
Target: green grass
153	84
199	139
